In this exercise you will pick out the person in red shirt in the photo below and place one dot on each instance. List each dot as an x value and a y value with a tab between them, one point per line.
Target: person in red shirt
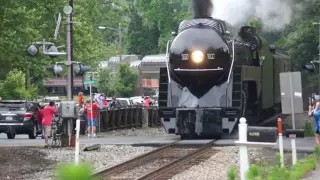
147	102
48	113
92	117
80	99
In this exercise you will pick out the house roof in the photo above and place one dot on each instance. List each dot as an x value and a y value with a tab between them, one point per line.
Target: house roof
135	64
160	58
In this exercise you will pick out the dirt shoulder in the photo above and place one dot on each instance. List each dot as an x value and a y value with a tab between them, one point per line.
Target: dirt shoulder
16	162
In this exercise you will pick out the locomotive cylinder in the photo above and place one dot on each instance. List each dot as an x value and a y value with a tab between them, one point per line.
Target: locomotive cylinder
202	8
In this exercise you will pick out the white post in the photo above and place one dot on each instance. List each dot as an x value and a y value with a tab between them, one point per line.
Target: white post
294	150
244	160
280	141
91	108
76	156
292	104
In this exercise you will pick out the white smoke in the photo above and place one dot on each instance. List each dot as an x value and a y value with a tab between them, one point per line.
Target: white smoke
274	14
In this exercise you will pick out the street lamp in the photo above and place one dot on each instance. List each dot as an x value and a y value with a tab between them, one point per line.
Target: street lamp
310	66
120	37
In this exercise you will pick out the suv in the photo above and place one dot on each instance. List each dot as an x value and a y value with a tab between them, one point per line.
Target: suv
19	117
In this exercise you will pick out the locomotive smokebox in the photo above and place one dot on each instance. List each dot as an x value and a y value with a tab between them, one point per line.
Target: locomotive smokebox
202	8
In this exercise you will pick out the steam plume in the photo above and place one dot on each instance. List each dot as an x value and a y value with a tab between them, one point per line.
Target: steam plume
274	14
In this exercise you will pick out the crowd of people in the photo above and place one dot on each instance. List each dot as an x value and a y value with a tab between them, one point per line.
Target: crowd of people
89	113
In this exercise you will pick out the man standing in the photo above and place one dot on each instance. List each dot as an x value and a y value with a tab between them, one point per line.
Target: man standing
92	118
80	99
48	113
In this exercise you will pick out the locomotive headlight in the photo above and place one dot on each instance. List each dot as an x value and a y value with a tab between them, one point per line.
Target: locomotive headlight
197	56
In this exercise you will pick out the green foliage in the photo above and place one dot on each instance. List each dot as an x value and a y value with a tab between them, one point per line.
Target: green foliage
232	173
24	22
13	87
278	160
317	151
254	173
277	173
69	171
300	169
119	83
125	80
106	82
308	129
296	172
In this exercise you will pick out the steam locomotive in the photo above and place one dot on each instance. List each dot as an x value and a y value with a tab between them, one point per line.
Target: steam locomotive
217	73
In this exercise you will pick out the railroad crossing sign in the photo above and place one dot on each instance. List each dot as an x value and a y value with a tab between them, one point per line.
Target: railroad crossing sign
86	82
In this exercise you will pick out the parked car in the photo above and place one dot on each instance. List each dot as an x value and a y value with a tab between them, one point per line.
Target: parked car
124	102
19	117
137	100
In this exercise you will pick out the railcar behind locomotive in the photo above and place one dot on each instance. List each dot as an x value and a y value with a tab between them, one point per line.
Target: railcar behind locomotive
216	74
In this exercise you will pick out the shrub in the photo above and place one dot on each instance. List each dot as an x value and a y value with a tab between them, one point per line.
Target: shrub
275	172
69	171
254	173
317	151
300	169
308	129
232	173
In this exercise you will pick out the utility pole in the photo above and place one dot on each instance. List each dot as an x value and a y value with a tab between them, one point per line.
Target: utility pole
318	23
70	55
120	43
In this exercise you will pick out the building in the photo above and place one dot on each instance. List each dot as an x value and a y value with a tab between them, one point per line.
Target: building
58	85
149	73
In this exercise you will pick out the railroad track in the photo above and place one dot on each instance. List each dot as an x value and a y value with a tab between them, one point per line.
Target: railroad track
162	163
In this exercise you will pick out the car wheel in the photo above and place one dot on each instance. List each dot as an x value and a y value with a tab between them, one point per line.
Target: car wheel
33	133
11	135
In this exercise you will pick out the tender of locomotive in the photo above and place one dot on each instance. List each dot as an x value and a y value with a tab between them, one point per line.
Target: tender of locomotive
216	74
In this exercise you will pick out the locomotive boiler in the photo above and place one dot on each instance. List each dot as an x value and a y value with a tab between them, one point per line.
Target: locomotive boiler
217	73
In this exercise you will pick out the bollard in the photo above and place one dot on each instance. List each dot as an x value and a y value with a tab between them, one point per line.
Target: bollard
294	149
280	141
244	160
77	149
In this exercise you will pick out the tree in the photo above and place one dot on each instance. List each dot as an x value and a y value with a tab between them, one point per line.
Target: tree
106	82
125	80
13	87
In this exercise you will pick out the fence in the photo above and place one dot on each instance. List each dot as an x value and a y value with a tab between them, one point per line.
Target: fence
121	118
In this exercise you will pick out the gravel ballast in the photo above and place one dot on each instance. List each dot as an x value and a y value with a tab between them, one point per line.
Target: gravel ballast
107	156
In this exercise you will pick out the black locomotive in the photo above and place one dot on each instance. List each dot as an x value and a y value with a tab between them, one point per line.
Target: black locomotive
216	74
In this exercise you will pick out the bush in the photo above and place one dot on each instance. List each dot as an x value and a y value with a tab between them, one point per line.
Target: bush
254	173
308	129
296	172
232	173
70	171
300	169
317	151
13	87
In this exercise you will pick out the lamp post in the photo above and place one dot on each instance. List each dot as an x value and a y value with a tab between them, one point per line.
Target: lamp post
120	38
310	66
318	23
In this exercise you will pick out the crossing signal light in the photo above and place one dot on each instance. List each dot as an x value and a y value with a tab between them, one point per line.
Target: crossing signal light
79	69
56	69
310	67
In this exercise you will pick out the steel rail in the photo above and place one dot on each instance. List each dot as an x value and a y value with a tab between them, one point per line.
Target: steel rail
166	169
132	162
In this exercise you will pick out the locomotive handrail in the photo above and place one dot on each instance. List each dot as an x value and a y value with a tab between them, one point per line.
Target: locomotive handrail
167	63
167	58
231	67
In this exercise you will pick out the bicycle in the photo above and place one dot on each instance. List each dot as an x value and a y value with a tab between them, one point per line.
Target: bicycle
56	132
